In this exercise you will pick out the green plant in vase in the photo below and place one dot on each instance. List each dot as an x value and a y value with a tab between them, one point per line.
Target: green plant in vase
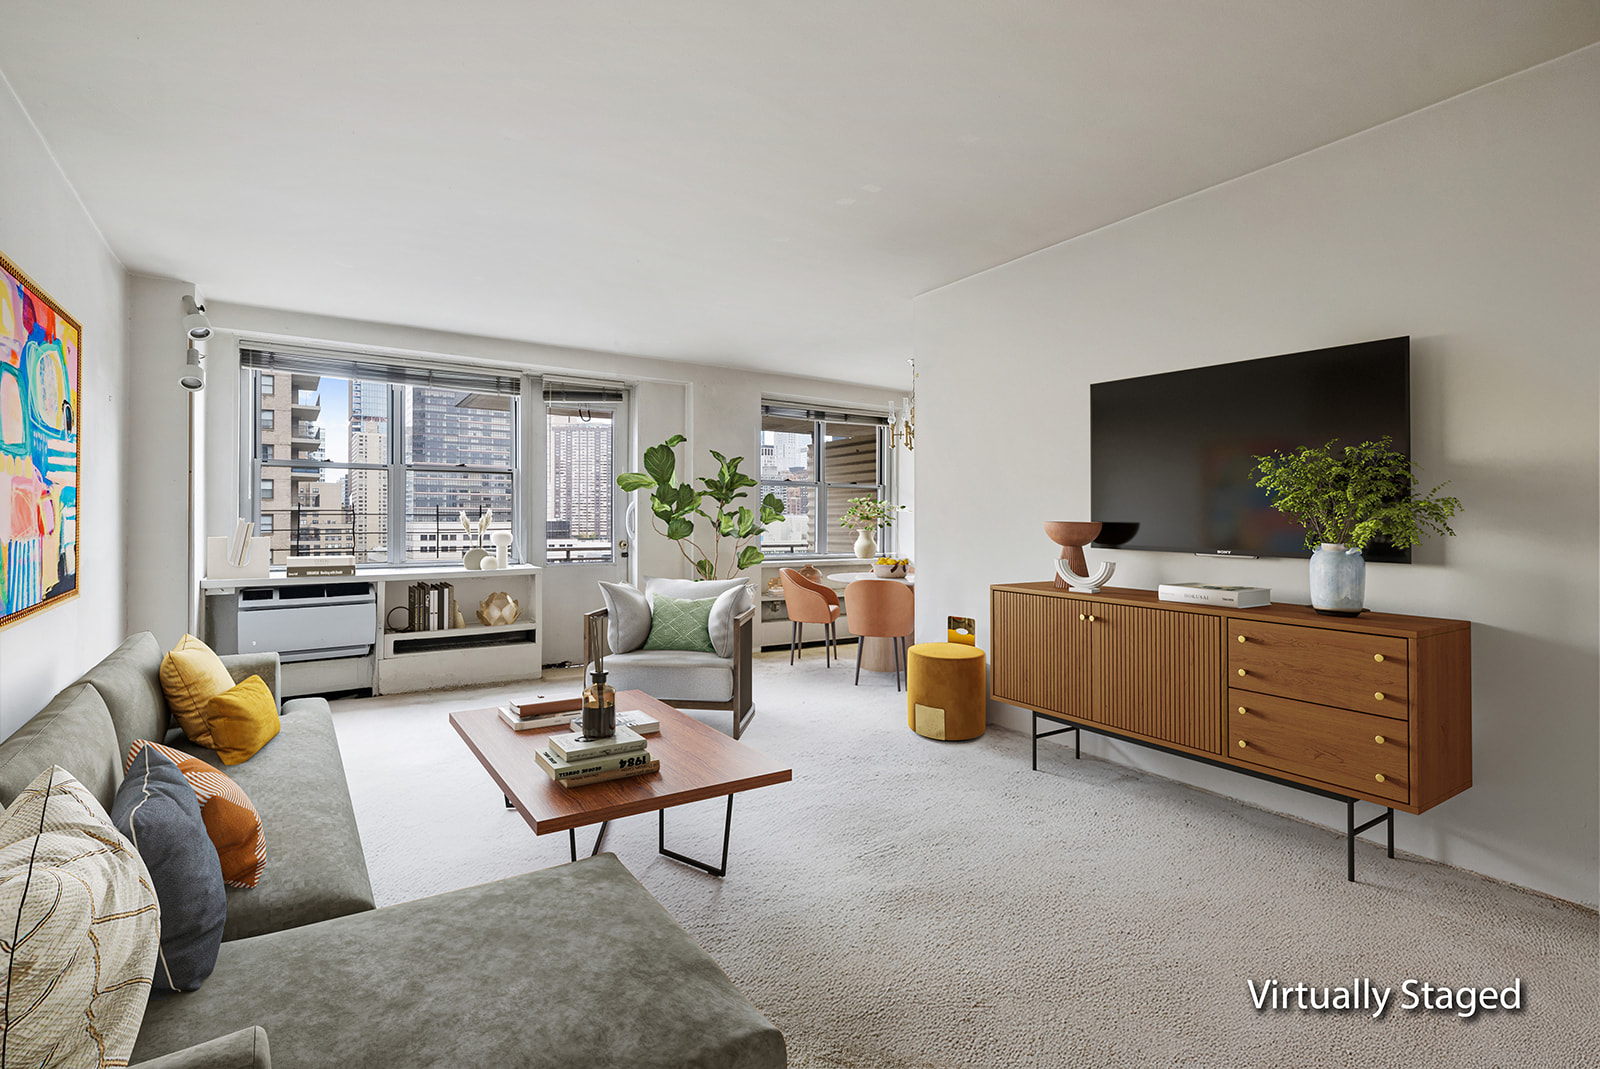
864	516
674	506
1345	498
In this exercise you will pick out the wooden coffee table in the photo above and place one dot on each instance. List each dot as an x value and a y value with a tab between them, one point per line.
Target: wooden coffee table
697	762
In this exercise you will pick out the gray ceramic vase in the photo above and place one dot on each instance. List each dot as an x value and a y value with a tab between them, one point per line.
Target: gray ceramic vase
1338	580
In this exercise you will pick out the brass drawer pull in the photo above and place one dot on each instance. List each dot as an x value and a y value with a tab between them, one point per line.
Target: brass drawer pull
1378	657
1243	744
1091	619
1082	617
1241	638
1379	777
1241	671
1377	696
1242	710
1378	739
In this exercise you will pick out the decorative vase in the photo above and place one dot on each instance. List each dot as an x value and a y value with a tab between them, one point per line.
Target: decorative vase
866	548
498	609
502	548
1338	580
472	559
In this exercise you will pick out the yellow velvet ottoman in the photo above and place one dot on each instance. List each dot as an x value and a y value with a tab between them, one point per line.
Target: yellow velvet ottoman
945	691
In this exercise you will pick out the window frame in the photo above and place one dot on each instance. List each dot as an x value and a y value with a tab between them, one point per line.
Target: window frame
394	464
615	411
819	485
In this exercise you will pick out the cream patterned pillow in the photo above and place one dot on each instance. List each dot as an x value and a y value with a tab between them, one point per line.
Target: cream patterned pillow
84	910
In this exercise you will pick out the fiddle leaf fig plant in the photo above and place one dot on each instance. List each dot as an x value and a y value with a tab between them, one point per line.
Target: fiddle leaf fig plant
1353	495
674	506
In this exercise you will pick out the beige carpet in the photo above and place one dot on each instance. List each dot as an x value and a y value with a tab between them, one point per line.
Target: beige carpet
910	903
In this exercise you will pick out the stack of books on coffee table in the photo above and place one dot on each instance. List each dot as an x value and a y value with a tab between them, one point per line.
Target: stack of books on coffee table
573	760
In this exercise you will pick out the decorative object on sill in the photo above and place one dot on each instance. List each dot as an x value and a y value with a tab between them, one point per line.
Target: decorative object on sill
502	549
674	506
40	384
1072	570
257	559
498	609
599	700
472	559
808	571
1345	498
903	427
890	567
864	516
308	567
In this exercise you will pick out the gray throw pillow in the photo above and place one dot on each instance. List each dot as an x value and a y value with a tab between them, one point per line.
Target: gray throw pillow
157	810
723	612
627	617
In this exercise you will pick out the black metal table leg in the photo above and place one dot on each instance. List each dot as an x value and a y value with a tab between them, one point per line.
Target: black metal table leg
661	843
572	840
1352	830
1077	738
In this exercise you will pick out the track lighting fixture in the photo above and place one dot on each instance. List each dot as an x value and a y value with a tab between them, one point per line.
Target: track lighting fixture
193	378
195	323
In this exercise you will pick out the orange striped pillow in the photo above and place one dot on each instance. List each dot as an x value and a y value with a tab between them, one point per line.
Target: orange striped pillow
231	821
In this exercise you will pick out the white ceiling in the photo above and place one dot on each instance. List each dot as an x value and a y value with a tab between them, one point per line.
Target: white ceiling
745	182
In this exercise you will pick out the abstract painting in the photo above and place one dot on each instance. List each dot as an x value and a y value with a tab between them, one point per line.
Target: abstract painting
39	390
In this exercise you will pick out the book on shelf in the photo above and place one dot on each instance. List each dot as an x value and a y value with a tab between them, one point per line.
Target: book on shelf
559	769
572	746
1237	597
634	719
612	773
517	723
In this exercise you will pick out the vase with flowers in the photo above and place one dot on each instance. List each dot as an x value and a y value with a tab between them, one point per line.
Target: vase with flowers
864	516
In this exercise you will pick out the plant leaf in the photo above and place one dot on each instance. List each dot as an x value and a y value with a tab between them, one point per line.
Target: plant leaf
706	569
660	464
750	556
679	527
632	480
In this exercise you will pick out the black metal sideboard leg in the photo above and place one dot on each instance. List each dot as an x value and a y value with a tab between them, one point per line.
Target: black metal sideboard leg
1352	830
1077	738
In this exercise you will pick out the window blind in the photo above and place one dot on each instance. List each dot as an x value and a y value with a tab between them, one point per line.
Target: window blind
367	368
830	415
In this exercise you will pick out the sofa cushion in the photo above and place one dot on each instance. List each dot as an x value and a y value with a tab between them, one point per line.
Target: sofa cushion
724	633
156	809
73	731
244	1049
232	823
627	617
191	675
241	720
129	680
680	624
298	785
485	976
673	675
78	903
723	613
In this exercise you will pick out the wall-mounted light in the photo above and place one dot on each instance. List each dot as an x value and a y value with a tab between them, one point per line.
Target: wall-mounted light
195	323
194	371
903	428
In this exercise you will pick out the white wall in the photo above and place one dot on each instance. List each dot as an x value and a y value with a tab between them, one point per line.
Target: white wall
718	408
1471	226
46	233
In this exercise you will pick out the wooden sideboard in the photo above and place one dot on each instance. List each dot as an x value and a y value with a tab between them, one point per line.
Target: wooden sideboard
1376	707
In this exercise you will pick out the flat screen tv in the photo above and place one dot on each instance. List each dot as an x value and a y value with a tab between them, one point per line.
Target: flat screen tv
1173	453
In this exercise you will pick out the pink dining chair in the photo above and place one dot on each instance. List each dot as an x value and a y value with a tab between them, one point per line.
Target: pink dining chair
881	608
810	603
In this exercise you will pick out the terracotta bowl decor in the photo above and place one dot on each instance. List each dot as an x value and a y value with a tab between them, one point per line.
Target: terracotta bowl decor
498	609
1072	570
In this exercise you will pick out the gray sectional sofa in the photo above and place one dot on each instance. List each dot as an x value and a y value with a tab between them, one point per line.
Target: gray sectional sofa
571	966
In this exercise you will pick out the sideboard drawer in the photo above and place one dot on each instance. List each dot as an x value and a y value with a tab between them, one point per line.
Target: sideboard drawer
1366	755
1343	668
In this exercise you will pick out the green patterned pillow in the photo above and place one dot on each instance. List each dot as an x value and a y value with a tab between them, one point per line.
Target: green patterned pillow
679	624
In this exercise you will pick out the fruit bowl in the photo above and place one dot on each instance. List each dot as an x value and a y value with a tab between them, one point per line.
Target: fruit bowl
890	568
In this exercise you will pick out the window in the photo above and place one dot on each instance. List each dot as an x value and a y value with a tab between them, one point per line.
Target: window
266	489
579	487
815	462
265	527
443	440
266	383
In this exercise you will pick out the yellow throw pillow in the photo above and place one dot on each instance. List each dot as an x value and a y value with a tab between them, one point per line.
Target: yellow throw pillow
242	720
191	675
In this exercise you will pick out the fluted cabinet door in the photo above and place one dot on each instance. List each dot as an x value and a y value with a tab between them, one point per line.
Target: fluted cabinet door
1041	653
1156	674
